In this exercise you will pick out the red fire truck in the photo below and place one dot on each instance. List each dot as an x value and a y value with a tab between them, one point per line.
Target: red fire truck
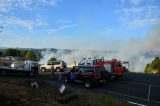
114	67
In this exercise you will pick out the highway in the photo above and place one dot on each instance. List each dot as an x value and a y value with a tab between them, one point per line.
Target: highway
139	88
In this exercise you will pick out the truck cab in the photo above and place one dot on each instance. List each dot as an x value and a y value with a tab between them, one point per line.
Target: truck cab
90	61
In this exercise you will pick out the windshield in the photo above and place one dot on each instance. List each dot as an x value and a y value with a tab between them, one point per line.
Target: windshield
108	67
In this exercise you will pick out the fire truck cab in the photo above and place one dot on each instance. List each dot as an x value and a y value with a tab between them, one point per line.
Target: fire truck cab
90	61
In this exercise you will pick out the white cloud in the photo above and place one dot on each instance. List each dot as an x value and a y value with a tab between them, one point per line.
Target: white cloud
109	32
60	28
29	24
8	5
133	2
141	22
122	0
136	2
139	16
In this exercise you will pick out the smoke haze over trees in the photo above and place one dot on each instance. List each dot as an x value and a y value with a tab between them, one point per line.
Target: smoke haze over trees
134	51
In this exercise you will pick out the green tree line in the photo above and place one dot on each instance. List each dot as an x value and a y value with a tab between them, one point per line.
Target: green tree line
154	66
26	54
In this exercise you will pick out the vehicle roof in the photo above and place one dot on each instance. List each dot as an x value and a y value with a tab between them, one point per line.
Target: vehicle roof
58	61
89	66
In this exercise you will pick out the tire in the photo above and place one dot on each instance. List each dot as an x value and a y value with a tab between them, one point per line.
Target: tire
58	70
88	83
43	70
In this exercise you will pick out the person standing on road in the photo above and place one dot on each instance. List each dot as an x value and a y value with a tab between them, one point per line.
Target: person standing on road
73	75
52	72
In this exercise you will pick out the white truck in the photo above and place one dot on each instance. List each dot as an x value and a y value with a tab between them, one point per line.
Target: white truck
27	67
56	65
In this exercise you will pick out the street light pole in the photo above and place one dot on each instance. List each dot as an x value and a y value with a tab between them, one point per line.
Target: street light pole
1	28
17	53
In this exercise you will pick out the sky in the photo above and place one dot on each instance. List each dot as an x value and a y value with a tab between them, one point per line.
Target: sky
75	24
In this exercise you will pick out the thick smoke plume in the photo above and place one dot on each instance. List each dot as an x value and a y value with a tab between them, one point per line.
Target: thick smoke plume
134	51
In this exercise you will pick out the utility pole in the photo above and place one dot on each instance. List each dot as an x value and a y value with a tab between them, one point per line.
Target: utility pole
17	53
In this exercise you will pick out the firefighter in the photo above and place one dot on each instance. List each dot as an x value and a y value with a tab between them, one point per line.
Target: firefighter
118	70
73	75
125	69
52	72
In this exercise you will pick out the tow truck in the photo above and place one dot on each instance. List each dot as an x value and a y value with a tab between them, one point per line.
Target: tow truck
30	68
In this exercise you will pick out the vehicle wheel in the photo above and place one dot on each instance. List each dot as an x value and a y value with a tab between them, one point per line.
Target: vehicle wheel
87	84
58	70
43	69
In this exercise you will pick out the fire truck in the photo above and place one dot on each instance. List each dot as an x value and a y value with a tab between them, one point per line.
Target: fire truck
114	67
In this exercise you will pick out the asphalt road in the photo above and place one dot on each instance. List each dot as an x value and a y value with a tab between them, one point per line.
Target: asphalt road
143	89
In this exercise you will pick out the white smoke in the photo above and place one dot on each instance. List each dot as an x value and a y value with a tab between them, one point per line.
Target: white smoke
76	55
133	51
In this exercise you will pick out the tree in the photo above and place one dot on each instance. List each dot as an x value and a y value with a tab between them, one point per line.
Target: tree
156	63
11	52
148	69
0	53
30	56
153	67
23	53
52	59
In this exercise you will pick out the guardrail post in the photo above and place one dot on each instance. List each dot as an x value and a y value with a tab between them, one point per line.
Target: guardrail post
149	91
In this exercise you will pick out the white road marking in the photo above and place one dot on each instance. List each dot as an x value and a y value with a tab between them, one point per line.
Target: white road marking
140	83
136	103
133	96
127	95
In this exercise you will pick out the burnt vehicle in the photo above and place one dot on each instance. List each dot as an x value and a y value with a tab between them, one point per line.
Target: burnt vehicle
88	75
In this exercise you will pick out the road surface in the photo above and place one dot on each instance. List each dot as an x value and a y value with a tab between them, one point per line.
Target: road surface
141	89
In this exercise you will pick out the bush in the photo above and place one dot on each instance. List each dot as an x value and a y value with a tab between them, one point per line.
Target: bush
153	67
